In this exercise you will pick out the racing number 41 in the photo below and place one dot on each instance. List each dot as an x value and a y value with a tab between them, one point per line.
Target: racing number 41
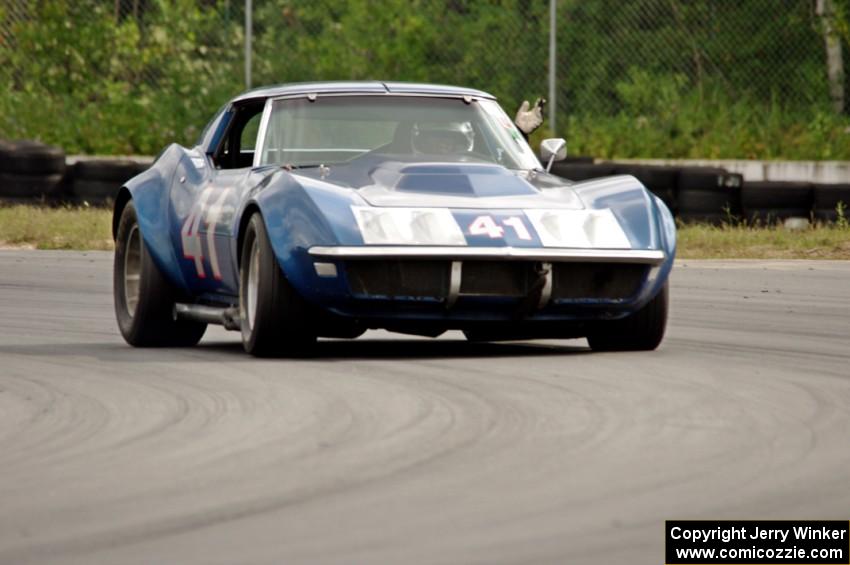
486	225
190	234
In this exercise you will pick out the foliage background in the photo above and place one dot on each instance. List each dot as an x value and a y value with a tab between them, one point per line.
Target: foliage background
644	78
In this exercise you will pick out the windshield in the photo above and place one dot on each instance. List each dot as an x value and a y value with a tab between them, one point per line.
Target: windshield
341	129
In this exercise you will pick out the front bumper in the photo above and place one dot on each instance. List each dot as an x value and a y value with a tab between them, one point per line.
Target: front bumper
648	256
484	283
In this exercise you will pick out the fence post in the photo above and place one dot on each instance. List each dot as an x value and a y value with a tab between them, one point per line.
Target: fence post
552	45
834	57
248	37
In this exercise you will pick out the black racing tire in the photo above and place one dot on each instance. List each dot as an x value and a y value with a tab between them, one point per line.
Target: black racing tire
763	200
641	331
95	192
708	178
31	158
116	171
826	199
708	191
275	320
708	202
34	187
145	311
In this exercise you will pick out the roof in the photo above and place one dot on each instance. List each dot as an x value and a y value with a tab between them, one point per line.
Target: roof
359	87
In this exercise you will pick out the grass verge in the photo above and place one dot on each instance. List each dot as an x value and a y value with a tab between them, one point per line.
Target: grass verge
90	228
55	228
699	241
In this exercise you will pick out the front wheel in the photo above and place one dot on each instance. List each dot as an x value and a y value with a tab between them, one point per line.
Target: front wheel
275	320
144	299
640	331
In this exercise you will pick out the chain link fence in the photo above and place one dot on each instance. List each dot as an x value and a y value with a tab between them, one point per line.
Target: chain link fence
116	76
770	50
128	76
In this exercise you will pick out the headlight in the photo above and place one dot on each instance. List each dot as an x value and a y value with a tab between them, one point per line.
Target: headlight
407	226
578	228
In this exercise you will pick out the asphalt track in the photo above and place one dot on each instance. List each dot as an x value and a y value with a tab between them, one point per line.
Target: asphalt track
408	451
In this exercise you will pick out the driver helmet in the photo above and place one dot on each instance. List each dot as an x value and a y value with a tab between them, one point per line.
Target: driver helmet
442	138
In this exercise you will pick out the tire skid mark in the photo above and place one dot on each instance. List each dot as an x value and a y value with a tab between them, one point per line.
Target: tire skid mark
231	512
443	453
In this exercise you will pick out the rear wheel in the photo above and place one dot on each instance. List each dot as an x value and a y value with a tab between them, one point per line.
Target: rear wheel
641	331
144	299
274	318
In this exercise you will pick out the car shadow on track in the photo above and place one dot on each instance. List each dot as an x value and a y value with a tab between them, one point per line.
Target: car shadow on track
376	349
326	350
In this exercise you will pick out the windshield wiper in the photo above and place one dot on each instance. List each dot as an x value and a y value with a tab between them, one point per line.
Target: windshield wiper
291	167
324	170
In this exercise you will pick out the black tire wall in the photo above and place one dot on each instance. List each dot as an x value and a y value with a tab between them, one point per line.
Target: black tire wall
826	198
31	171
708	194
769	201
35	172
98	181
31	158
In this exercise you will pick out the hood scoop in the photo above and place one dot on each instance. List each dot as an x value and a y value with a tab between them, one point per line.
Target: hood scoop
460	179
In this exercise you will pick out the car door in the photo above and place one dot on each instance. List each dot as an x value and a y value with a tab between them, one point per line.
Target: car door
205	196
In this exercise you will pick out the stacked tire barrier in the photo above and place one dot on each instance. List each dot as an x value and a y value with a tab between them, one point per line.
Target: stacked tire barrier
708	195
713	195
31	171
826	198
97	181
766	202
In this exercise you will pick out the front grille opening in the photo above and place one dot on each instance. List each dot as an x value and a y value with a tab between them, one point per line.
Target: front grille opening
430	280
602	281
491	278
399	279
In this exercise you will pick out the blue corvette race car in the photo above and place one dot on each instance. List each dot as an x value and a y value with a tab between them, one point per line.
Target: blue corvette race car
326	209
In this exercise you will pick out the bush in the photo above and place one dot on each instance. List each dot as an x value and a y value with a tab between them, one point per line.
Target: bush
647	78
83	80
661	116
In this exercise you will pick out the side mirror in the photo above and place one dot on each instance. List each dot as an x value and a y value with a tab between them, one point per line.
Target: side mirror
554	149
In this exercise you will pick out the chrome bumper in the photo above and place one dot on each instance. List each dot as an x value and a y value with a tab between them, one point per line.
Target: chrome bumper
650	257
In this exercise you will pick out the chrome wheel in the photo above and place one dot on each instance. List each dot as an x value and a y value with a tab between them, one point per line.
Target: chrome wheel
252	290
132	269
273	319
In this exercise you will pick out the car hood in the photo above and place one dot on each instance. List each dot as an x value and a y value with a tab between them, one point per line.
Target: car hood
453	185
